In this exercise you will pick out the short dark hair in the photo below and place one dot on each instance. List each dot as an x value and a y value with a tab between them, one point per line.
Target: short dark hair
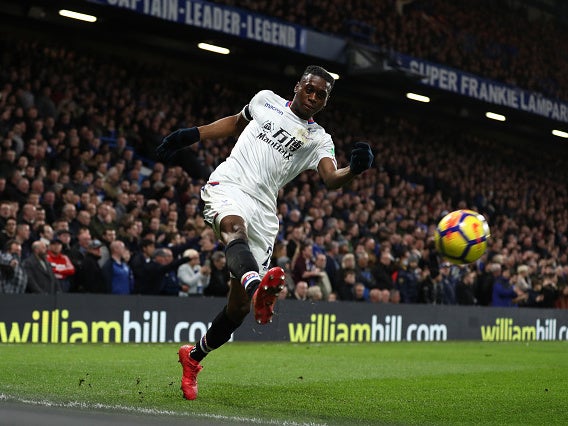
161	252
217	255
320	72
146	243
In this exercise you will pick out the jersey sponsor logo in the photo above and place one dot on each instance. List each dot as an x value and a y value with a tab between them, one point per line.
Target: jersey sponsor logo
273	108
279	139
268	126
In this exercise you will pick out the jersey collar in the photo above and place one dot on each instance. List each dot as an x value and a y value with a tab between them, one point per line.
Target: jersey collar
310	120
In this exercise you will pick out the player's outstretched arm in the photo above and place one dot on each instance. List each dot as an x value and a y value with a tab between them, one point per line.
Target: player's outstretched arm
332	177
182	138
224	127
361	160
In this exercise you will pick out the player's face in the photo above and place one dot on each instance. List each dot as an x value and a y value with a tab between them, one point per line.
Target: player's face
311	94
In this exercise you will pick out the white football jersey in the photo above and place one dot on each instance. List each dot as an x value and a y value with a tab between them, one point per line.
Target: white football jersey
274	148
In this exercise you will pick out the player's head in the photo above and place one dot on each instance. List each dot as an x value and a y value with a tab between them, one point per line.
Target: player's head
312	92
320	72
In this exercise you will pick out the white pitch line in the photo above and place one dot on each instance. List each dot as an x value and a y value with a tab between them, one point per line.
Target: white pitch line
137	410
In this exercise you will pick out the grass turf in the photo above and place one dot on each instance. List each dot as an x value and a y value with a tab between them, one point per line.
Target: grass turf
396	383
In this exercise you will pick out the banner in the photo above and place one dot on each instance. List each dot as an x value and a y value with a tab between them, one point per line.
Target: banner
216	17
252	26
70	318
462	83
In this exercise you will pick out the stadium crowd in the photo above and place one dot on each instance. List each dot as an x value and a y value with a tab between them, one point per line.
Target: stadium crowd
83	208
496	39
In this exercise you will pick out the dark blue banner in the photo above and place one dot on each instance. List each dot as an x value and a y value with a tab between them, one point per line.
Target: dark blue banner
466	84
215	17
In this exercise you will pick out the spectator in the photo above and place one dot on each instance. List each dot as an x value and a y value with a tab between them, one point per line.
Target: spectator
109	236
45	233
101	221
562	300
363	271
28	215
322	280
41	279
284	294
61	265
332	297
346	286
332	264
394	296
383	273
301	291
207	244
220	277
8	232
89	277
69	215
138	263
116	272
79	250
304	268
524	281
64	236
5	213
408	280
429	287
160	275
295	238
284	263
193	277
314	294
545	293
485	282
360	293
465	293
504	293
81	220
13	277
23	237
447	284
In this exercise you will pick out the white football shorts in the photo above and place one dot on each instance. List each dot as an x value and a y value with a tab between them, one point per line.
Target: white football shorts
261	223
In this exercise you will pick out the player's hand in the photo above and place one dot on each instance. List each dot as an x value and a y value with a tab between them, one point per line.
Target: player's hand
361	158
181	138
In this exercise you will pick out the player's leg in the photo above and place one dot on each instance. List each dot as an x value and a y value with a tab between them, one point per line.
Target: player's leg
222	210
242	265
261	239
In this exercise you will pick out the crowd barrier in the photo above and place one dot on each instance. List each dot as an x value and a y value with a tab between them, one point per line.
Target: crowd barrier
76	318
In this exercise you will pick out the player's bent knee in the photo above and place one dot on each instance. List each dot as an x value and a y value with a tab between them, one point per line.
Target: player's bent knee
239	258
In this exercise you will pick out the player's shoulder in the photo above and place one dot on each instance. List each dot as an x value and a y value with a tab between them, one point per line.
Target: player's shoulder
270	96
267	99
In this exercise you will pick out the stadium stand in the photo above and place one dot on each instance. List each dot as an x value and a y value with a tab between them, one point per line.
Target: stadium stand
501	40
78	131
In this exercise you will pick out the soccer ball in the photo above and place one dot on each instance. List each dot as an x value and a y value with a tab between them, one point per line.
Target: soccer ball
461	236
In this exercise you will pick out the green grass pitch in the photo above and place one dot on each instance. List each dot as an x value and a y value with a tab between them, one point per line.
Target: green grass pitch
282	383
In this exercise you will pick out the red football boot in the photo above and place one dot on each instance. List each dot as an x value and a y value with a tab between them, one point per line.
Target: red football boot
265	296
190	370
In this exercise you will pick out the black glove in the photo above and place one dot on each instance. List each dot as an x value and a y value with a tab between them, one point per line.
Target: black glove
361	158
181	138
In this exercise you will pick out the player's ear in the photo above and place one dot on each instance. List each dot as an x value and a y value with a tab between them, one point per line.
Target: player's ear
296	87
